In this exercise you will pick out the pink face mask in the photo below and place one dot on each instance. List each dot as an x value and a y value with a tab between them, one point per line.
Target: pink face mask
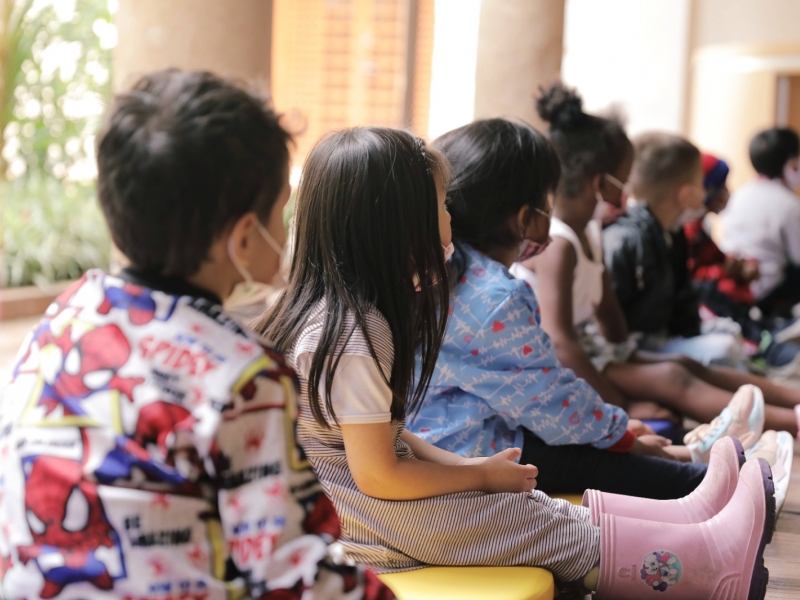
529	249
448	254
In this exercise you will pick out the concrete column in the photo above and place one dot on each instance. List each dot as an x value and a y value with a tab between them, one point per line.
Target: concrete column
229	38
520	45
232	39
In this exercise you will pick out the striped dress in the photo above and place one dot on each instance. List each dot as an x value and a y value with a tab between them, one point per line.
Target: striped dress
468	528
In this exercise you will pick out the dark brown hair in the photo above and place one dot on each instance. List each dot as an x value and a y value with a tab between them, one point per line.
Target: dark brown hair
181	157
587	145
367	226
498	166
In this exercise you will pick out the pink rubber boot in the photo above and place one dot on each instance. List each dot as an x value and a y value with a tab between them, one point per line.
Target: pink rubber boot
710	497
720	559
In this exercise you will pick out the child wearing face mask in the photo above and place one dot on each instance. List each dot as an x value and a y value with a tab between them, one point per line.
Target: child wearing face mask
646	257
370	226
762	221
497	383
144	433
723	283
580	311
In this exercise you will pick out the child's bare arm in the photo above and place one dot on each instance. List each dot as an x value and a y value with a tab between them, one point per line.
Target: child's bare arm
426	451
556	270
609	314
380	473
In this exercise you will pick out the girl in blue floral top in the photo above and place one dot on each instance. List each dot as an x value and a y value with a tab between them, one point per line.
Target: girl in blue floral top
498	383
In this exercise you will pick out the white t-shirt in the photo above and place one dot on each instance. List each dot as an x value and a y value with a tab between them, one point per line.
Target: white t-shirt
587	281
359	393
762	221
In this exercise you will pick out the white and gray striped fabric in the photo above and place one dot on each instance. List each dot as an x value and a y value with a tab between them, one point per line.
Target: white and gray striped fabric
470	528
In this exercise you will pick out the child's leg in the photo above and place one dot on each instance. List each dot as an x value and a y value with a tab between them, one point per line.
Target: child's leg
671	384
474	528
718	558
677	386
571	469
727	378
731	379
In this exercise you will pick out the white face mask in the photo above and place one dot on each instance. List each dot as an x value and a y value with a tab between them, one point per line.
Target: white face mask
690	215
599	208
250	291
791	175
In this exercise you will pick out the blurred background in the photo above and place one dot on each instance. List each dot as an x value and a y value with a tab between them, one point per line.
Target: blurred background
713	70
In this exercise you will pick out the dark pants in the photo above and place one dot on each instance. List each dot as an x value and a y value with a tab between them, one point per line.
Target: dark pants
779	302
573	469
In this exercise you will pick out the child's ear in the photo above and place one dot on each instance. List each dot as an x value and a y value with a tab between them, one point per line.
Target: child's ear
523	217
239	238
596	182
684	195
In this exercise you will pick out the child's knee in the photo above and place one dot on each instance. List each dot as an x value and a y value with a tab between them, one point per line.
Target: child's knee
679	379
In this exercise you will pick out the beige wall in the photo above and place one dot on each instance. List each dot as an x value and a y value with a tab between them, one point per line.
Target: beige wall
740	49
746	21
229	38
520	45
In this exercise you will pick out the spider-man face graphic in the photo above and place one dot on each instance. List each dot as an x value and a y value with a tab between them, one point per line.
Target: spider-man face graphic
90	364
73	540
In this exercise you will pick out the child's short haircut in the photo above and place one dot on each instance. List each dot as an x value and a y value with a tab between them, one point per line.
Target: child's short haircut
663	162
181	157
770	149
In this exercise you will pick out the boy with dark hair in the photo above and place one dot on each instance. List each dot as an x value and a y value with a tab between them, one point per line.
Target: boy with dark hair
143	446
762	221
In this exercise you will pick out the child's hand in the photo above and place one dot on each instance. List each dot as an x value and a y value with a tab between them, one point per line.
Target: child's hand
750	271
651	445
502	474
637	428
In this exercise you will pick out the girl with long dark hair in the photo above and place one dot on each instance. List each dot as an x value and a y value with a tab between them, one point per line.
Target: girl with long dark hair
367	290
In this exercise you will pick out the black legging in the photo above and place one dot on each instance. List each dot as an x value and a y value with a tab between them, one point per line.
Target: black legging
779	302
573	469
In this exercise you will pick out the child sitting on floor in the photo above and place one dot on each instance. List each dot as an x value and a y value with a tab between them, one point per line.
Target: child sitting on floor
762	220
645	255
579	308
723	282
367	290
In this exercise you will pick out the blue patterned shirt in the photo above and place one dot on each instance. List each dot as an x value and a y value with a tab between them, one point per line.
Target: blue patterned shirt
497	373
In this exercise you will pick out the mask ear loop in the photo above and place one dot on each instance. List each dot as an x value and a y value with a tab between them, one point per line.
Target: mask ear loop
248	279
268	237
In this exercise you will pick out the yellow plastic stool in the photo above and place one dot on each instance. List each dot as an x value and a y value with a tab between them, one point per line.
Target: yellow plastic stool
571	498
471	583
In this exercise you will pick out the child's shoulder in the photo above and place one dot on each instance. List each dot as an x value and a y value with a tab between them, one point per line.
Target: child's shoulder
372	329
629	229
487	285
169	324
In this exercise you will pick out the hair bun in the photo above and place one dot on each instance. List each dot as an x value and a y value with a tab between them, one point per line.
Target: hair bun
560	106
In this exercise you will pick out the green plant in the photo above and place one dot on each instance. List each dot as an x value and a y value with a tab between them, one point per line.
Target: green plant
54	230
55	74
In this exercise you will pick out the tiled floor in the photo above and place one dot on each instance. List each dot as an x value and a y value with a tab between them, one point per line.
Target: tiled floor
782	555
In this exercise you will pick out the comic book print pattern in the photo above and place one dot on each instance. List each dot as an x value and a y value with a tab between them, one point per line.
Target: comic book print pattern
143	455
497	373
